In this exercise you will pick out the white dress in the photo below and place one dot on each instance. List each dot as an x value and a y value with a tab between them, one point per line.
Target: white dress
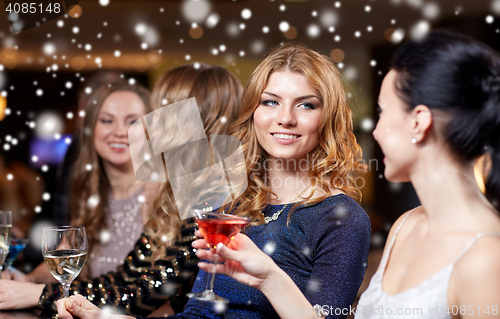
429	299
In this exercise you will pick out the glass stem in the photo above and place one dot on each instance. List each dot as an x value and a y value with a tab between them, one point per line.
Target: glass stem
210	283
66	290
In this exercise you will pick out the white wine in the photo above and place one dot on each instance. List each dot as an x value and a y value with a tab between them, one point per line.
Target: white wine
4	241
66	264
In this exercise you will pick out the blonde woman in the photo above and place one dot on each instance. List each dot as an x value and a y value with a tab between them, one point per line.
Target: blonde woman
296	131
439	113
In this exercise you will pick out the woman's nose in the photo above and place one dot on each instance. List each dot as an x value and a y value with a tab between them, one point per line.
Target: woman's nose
286	116
121	129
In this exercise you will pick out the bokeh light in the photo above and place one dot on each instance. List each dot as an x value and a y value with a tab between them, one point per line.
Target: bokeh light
337	55
78	63
291	33
196	32
75	12
48	124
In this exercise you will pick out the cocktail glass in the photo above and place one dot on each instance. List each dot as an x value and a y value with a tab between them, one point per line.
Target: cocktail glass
216	228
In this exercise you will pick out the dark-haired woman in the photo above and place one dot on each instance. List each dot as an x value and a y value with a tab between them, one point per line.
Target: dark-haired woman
440	111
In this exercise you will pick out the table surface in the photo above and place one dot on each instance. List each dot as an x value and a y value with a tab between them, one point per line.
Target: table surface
34	313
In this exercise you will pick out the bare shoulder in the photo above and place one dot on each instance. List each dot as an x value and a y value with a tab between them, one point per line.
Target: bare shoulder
409	223
482	257
476	279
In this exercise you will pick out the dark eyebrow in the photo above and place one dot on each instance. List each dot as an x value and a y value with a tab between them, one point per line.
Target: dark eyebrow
306	97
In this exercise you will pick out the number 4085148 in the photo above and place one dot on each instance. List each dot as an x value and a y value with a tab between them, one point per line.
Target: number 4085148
33	8
471	310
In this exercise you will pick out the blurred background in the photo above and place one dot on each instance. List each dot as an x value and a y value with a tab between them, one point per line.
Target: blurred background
42	67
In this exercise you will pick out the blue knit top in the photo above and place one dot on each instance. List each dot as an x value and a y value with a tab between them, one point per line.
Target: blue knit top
324	250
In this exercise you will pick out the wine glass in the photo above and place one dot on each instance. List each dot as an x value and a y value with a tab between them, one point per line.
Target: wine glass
17	245
216	228
64	249
5	229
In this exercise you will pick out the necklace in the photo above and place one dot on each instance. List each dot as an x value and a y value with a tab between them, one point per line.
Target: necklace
275	216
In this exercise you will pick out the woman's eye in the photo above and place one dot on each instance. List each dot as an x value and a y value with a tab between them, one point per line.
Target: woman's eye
132	122
269	103
308	106
379	110
105	121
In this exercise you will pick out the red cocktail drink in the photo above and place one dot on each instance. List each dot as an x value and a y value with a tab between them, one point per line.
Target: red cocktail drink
216	228
220	230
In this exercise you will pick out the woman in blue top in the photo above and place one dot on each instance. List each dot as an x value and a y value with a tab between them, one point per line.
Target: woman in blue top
300	151
440	112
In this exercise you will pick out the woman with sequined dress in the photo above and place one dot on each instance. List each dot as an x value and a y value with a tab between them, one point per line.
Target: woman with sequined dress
161	267
300	152
105	195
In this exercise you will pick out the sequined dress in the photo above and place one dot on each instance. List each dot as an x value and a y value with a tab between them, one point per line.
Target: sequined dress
139	286
324	250
124	226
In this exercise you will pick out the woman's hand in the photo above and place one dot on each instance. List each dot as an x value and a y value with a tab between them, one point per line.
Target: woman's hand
19	295
242	260
12	273
79	306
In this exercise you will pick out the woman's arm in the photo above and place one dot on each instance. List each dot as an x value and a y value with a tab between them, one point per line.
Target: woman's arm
40	274
138	287
19	295
475	283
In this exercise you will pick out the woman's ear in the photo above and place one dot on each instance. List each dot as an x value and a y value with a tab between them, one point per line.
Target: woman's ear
421	122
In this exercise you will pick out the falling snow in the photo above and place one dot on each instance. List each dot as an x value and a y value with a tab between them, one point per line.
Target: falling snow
93	201
269	248
246	14
284	26
397	36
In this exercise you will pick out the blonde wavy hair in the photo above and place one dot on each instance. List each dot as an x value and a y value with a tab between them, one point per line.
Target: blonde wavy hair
218	95
335	157
86	184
